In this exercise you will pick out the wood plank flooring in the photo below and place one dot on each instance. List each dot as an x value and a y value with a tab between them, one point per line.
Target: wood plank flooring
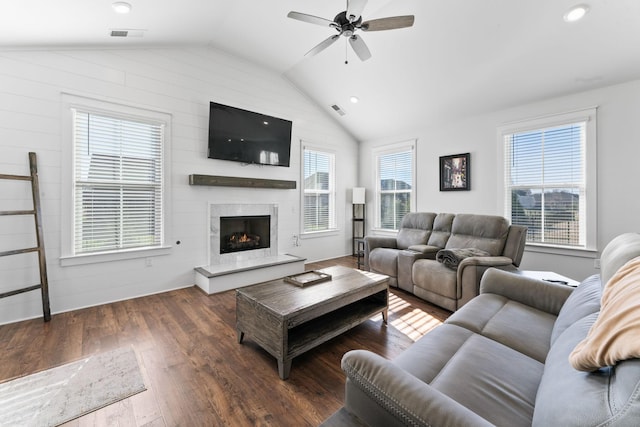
195	371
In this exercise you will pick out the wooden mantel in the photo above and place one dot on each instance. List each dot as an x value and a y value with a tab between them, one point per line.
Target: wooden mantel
230	181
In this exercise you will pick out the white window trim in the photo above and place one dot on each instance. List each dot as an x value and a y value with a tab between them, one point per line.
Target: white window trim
589	115
72	101
332	193
410	145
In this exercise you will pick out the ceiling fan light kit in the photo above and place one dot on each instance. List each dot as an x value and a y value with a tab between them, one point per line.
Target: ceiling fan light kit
346	23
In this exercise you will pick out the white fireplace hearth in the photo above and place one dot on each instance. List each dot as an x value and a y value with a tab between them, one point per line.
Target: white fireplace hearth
233	269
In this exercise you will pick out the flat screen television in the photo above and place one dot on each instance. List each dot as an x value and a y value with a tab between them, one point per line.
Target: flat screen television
248	137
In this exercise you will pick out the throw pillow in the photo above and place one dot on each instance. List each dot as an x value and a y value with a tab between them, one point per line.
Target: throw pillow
615	335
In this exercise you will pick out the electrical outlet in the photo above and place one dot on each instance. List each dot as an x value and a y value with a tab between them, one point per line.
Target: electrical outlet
148	262
596	263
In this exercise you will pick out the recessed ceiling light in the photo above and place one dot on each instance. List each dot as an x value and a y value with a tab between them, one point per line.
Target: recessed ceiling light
121	7
354	99
576	13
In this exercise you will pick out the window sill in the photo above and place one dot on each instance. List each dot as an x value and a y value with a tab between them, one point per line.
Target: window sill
323	233
69	261
558	250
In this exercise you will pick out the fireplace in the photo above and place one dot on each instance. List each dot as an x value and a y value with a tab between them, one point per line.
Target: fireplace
231	222
244	233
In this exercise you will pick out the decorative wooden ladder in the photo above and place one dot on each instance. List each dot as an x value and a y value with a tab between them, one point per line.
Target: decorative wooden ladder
36	212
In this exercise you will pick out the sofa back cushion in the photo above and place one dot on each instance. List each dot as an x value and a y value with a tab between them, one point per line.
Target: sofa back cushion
616	334
486	232
415	229
617	253
441	230
583	301
568	397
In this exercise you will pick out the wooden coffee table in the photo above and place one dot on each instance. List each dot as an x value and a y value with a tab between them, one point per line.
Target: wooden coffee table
287	320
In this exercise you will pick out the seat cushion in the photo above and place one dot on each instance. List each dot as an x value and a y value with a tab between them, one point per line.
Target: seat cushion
492	380
433	276
384	260
518	326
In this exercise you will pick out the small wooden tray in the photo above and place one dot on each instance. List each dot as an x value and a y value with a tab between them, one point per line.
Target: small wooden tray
308	278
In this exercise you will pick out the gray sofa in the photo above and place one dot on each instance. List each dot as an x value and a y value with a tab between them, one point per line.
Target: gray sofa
503	359
409	259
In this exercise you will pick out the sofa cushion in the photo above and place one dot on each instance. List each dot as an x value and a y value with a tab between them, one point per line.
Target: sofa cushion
492	380
568	397
412	236
523	328
584	300
615	336
384	260
441	230
435	277
486	232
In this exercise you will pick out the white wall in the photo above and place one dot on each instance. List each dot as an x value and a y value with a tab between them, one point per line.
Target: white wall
618	150
180	82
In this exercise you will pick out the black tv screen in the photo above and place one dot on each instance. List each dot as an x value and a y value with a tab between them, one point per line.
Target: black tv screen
248	137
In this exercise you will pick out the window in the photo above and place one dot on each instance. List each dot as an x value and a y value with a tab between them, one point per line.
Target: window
549	175
394	185
319	191
117	174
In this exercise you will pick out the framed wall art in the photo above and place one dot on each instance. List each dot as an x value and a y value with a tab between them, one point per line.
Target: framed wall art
455	172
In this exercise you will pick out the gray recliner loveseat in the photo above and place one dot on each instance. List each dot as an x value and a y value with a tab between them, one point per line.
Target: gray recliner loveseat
409	259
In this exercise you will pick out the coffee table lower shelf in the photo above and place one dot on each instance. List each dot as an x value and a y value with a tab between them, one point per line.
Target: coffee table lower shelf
288	335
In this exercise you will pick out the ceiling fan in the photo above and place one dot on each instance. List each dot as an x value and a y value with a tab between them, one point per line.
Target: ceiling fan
348	22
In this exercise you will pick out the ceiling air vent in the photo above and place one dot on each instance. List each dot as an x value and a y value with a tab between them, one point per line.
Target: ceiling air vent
126	33
338	109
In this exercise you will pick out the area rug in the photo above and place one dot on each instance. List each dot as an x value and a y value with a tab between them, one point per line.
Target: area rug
58	395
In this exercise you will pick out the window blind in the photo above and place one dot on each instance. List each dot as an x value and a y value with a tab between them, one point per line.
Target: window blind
395	172
117	183
546	180
318	204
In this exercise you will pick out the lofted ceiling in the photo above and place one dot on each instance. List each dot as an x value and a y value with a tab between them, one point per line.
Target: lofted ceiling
461	57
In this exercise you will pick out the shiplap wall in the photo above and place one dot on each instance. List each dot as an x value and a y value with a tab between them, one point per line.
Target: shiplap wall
180	82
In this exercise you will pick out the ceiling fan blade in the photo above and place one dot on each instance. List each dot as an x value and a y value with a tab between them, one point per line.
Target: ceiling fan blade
390	23
360	47
311	19
354	9
323	45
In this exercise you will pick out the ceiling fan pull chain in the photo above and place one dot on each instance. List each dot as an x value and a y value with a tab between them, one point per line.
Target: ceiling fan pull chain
346	53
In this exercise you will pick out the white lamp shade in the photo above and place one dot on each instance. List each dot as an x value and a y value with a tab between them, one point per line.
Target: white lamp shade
358	196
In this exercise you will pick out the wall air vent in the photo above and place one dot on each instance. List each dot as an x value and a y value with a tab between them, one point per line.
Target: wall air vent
338	109
126	33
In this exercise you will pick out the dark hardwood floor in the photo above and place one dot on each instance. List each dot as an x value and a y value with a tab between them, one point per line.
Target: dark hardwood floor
195	371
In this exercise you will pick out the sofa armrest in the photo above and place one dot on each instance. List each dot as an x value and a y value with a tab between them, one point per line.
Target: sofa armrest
540	294
409	400
484	261
372	242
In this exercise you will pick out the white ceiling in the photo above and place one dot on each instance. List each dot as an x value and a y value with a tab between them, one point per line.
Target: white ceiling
461	57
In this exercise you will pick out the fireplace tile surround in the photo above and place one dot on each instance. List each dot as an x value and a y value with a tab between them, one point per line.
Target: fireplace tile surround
230	210
237	269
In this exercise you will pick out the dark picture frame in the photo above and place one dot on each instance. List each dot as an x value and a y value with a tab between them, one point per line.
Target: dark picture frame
455	172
